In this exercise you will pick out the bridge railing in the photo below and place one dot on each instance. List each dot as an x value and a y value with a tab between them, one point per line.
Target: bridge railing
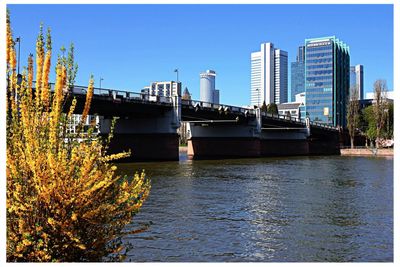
116	95
323	125
219	107
283	117
299	120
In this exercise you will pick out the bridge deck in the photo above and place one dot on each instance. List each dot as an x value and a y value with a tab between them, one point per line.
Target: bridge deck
110	102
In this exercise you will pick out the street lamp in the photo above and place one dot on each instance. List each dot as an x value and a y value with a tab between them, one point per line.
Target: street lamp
177	77
101	79
258	98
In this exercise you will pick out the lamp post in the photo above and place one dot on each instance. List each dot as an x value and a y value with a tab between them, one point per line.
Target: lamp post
177	73
18	39
100	81
258	97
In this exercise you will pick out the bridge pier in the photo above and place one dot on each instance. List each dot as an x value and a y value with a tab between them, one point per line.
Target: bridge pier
149	137
146	147
223	147
222	140
284	142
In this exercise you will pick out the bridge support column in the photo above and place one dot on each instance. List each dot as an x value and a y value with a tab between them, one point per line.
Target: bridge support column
149	137
284	142
223	147
323	142
146	146
218	140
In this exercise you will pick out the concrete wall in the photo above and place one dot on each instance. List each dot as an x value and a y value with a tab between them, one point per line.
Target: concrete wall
234	140
223	147
146	147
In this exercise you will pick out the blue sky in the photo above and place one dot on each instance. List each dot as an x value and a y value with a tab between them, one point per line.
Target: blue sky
130	46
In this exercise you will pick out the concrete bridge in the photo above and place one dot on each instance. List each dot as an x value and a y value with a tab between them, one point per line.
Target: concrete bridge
148	125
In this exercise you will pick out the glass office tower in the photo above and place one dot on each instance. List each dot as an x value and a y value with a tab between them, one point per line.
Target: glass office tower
297	77
327	80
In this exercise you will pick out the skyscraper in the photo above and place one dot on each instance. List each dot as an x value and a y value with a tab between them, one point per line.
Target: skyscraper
357	79
208	93
268	75
327	79
281	76
301	53
297	74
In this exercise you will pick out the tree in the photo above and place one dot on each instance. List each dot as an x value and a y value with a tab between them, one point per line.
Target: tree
353	117
380	107
264	107
368	123
272	108
64	199
388	130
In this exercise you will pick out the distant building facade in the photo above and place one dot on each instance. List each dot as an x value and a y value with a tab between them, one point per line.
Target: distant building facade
301	98
388	95
357	79
186	94
291	110
165	89
297	74
73	125
327	78
208	93
269	72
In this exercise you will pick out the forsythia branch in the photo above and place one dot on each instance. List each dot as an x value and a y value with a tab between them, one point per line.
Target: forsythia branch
65	201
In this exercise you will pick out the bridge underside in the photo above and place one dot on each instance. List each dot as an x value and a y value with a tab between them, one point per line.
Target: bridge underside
240	140
146	147
236	147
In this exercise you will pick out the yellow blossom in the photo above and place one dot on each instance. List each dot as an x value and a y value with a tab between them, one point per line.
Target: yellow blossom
58	187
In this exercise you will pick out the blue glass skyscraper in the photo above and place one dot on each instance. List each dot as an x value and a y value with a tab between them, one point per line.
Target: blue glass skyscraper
297	74
327	80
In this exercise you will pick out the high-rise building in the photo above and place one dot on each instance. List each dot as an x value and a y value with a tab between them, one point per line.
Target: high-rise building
327	78
301	53
357	79
297	74
268	75
208	93
281	76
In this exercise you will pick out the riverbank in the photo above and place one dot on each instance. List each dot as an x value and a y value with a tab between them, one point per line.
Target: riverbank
367	152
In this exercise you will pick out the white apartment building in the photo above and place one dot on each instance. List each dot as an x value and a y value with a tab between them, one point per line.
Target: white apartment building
90	120
167	89
269	72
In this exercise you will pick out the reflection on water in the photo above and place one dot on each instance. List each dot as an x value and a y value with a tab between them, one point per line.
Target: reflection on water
271	209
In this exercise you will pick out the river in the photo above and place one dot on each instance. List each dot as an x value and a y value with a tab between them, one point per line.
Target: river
293	209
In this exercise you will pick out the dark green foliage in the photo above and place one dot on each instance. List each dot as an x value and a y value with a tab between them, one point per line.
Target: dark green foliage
264	107
272	108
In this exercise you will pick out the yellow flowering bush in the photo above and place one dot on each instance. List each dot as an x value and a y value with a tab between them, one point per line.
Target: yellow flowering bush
64	199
